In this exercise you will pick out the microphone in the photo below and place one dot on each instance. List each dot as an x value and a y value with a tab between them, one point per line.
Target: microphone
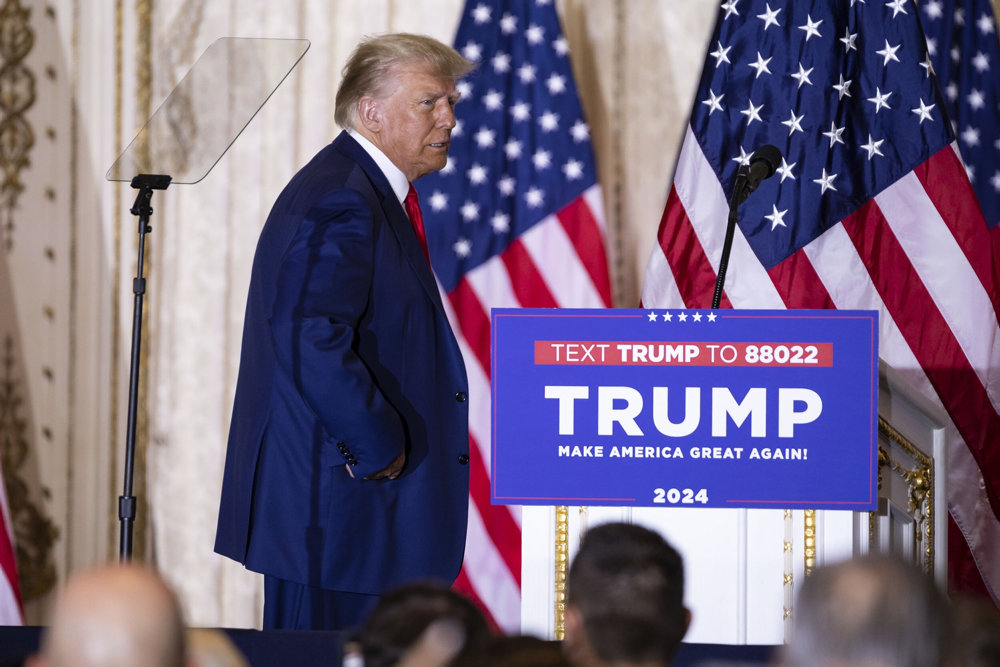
764	162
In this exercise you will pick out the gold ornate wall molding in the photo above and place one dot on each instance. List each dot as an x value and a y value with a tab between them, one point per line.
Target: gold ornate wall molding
17	95
34	533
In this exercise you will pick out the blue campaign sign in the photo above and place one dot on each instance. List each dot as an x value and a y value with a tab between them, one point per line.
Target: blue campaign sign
686	408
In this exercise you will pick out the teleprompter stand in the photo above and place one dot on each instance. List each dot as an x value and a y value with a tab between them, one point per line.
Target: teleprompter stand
180	143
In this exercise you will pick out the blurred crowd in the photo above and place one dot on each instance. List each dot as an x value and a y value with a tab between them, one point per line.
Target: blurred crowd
625	608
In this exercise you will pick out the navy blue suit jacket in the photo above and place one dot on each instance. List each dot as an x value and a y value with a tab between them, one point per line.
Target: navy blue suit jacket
347	357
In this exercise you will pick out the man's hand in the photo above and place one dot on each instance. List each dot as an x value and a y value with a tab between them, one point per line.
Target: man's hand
391	471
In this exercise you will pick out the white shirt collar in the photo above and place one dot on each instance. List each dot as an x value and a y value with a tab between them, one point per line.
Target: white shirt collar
395	176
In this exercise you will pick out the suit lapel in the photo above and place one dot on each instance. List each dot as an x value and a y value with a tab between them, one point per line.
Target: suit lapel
394	215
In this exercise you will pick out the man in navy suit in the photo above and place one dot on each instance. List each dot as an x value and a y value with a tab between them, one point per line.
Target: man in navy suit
347	464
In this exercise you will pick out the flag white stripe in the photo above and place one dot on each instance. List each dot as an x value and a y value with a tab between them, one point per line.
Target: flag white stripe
659	289
595	200
492	285
558	262
945	272
747	283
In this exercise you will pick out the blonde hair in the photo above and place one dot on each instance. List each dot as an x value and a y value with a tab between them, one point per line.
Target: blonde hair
375	58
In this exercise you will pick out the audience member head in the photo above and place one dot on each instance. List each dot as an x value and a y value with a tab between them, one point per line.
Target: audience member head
977	632
625	603
873	611
114	615
208	647
513	651
402	616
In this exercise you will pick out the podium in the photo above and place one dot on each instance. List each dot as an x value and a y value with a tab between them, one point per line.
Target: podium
743	566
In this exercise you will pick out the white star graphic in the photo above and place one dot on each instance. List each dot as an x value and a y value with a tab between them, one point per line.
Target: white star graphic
975	99
521	111
500	222
751	112
493	100
526	72
682	317
438	201
743	158
534	198
573	169
542	159
897	7
761	65
995	181
667	316
872	147
652	317
534	34
985	24
794	122
880	100
776	217
802	76
508	24
730	7
580	131
472	51
482	14
485	137
470	211
970	135
825	182
786	170
477	174
462	248
549	121
714	103
501	62
889	53
556	84
927	65
924	111
933	9
512	149
848	40
696	317
506	185
770	17
834	135
561	46
981	62
711	317
842	88
721	54
812	29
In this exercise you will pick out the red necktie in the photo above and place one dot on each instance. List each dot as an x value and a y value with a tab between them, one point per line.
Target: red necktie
412	205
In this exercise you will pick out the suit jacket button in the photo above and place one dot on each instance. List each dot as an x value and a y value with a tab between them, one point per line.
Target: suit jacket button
461	397
463	459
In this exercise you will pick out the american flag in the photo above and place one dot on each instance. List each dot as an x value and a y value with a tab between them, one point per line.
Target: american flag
515	219
870	208
962	41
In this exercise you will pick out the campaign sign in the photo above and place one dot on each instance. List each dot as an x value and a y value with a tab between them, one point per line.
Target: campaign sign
685	408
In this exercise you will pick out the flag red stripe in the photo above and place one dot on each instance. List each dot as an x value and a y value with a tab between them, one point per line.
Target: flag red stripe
799	285
963	574
692	271
472	321
930	339
944	179
528	284
500	525
585	233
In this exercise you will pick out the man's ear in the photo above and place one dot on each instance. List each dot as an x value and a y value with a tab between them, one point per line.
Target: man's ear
370	114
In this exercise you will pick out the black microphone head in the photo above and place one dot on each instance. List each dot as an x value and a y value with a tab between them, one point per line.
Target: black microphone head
768	155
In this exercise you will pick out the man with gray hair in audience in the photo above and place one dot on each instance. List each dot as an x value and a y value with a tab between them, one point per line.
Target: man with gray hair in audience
873	611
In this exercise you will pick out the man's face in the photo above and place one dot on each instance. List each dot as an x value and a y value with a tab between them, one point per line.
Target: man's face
416	120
